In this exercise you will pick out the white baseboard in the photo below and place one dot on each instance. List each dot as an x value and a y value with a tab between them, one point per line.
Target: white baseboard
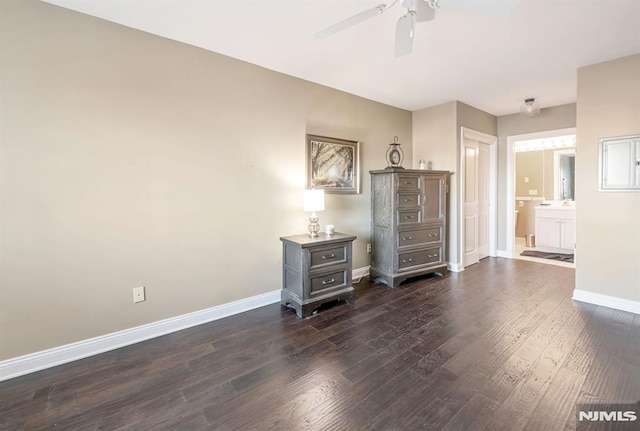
37	361
503	253
71	352
455	267
359	273
607	301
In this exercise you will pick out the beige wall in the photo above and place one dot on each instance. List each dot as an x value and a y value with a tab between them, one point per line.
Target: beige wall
436	138
607	223
538	167
127	159
530	165
554	118
434	134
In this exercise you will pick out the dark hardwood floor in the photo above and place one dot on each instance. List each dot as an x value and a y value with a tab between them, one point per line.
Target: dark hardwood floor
500	346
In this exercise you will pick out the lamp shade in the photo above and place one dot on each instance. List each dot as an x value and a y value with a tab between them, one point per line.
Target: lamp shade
314	200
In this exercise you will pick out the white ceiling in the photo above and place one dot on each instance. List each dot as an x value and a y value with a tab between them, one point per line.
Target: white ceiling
491	62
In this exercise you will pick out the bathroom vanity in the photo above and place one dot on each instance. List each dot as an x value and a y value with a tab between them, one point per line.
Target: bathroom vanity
555	228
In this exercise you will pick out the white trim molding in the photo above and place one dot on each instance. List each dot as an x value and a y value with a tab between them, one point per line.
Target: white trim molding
503	253
510	198
359	273
82	349
44	359
455	267
607	301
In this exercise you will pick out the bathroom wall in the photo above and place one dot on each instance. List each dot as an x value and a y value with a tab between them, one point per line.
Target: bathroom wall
538	168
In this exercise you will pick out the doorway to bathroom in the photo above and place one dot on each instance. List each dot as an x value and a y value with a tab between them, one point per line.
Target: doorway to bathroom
541	196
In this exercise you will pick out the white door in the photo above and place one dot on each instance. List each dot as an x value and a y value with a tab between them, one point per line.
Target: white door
476	201
471	255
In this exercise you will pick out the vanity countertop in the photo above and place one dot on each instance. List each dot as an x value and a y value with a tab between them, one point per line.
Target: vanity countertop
556	207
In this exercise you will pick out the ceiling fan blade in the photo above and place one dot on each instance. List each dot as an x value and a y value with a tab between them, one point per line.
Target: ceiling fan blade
499	7
351	21
424	12
404	34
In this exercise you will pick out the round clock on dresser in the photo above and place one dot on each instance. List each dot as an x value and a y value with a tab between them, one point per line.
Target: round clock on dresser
395	154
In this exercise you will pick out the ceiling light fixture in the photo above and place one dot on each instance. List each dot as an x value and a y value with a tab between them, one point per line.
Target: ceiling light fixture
530	107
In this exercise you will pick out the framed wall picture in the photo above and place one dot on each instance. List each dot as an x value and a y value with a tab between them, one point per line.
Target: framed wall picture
333	164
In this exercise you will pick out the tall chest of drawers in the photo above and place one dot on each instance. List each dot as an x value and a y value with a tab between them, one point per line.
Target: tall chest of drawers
409	223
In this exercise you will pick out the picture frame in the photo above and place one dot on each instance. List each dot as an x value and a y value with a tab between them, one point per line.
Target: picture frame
333	164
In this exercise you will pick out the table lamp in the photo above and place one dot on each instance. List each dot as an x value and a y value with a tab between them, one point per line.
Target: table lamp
314	201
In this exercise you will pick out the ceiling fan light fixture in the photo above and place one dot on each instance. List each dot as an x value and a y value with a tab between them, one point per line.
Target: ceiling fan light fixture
530	107
417	11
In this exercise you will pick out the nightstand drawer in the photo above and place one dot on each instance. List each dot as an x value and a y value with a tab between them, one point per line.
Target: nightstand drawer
418	236
421	257
327	282
327	256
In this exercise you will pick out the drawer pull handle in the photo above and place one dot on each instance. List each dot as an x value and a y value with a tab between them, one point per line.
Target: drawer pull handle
433	255
408	200
432	235
405	238
325	282
331	256
407	260
407	182
409	217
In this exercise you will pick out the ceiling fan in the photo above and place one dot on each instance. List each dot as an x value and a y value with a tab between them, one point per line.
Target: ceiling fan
417	11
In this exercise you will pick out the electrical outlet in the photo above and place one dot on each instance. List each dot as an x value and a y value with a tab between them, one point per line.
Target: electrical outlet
526	179
369	248
138	294
520	204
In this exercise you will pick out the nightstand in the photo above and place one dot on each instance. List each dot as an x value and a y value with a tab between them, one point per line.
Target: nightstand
315	271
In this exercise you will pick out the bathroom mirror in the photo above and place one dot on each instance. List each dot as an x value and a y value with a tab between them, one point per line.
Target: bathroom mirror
547	174
564	163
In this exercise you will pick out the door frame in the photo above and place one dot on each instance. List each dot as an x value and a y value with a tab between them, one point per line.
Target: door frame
510	197
492	141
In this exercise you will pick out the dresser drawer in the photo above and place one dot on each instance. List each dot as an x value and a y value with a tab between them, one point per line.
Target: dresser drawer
408	182
421	257
408	216
419	236
324	283
408	200
321	257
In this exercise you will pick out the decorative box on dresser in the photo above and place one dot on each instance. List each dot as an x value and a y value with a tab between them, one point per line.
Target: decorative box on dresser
409	223
316	270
